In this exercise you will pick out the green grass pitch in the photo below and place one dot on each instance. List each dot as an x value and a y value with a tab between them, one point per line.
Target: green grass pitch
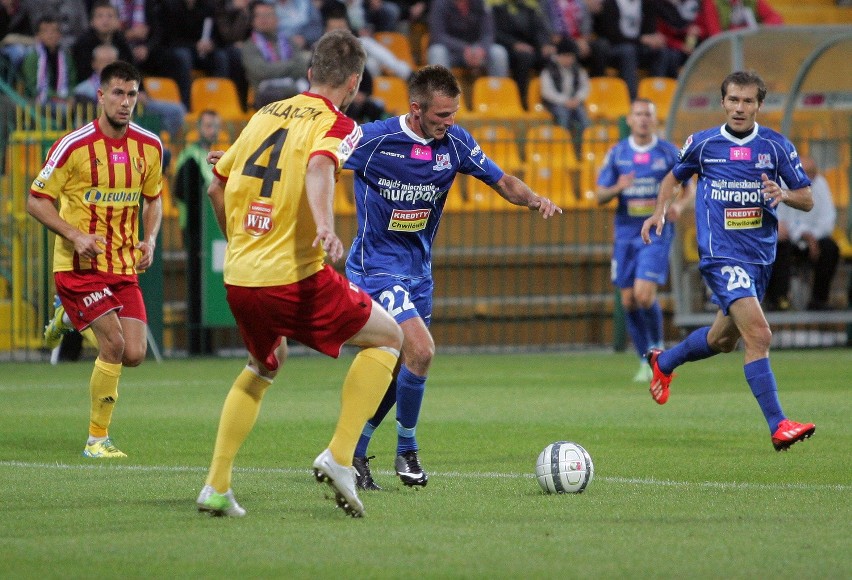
692	489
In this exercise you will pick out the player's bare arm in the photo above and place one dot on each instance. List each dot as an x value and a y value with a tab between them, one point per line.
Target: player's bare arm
664	199
152	217
213	157
517	192
216	193
684	199
86	245
796	198
605	194
319	186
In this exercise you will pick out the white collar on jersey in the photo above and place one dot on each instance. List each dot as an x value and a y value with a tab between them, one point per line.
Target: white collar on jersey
407	130
737	140
642	148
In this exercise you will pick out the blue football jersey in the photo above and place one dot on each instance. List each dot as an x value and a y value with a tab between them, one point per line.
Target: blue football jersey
650	163
732	218
401	185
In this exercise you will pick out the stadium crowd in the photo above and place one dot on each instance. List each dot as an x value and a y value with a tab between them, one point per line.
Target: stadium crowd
48	46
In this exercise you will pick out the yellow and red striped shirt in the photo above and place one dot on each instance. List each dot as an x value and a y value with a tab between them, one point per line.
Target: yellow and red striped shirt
99	182
269	223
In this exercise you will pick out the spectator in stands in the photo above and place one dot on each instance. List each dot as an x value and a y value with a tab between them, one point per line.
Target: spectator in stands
299	21
806	237
72	16
48	70
564	89
412	14
461	34
191	42
170	115
140	22
677	22
16	35
276	67
630	29
380	59
104	28
520	27
573	19
382	16
233	20
719	15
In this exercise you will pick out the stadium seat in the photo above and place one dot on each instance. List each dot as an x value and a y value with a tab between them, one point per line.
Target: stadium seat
608	99
398	44
660	91
534	104
162	89
219	94
499	98
551	167
344	191
393	92
500	144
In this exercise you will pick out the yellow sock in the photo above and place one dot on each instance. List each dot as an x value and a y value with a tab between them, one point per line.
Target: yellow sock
103	388
363	389
239	414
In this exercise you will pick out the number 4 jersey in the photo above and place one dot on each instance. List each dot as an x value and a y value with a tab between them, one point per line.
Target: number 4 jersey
732	218
270	227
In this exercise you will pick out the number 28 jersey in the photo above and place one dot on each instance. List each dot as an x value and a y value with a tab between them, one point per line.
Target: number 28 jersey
731	216
270	227
401	186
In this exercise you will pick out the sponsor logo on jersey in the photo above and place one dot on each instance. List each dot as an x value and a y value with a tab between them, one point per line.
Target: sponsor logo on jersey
743	192
710	160
764	161
258	220
392	154
745	218
408	220
641	207
423	152
643	158
118	157
39	184
114	197
685	147
96	296
739	154
442	162
395	190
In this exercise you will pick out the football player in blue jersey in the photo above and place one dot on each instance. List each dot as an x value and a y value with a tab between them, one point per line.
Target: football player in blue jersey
744	172
632	172
404	167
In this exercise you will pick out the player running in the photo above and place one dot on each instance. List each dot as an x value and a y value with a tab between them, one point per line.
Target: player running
740	168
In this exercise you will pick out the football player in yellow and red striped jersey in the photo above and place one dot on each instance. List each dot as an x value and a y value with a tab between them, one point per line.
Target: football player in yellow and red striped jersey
273	198
99	175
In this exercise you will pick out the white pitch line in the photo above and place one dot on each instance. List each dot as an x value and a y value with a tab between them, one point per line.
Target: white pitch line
734	485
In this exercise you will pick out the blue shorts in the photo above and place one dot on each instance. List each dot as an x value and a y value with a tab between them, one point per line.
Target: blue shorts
632	258
730	280
403	298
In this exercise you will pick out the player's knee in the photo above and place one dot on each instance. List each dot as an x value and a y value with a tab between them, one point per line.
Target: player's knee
759	338
111	347
420	356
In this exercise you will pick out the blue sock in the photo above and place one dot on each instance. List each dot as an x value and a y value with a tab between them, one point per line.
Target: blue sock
409	396
694	348
636	329
653	317
388	401
762	382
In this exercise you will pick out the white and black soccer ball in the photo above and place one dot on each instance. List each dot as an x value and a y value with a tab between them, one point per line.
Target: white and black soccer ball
564	467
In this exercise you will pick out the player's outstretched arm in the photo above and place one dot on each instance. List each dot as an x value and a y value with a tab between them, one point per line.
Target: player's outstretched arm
517	192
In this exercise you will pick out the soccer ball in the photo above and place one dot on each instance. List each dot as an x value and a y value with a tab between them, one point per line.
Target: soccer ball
564	467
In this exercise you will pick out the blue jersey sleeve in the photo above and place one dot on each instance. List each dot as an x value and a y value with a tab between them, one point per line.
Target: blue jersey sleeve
473	161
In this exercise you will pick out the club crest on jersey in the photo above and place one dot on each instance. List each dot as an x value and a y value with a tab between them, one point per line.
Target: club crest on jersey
258	220
764	161
442	162
47	169
423	152
139	164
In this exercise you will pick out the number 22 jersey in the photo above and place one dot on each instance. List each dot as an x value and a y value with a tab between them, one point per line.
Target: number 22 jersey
401	185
